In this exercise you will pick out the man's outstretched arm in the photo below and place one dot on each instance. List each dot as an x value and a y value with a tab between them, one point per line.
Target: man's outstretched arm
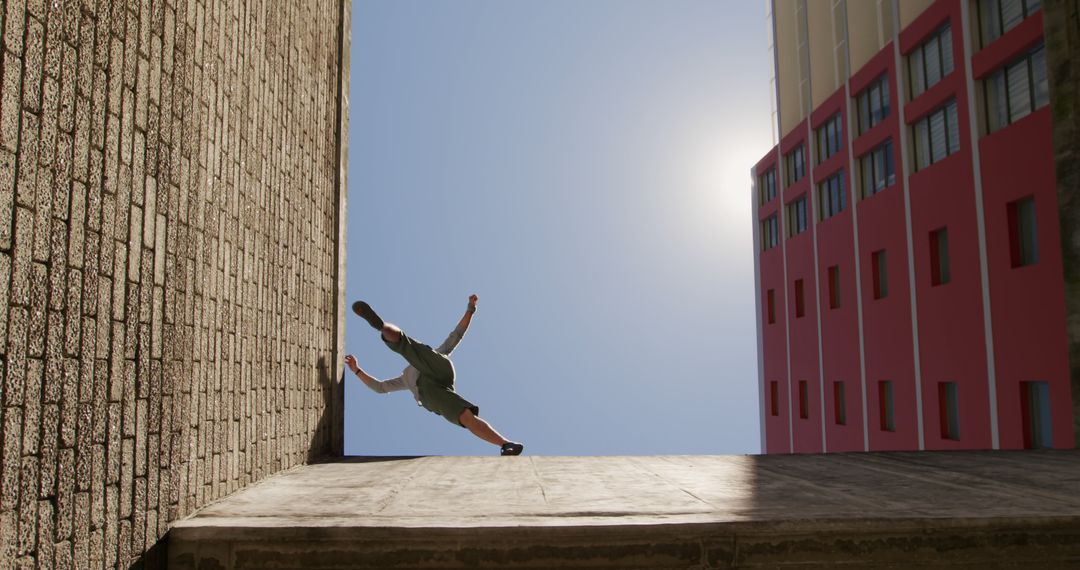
466	319
391	385
452	341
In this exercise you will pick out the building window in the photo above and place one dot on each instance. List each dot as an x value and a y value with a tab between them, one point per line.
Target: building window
839	404
1016	90
948	410
885	405
767	187
873	104
770	302
877	170
804	400
770	233
1023	236
831	199
931	61
834	287
999	16
796	216
800	305
878	265
795	165
939	257
1035	407
936	135
828	139
774	398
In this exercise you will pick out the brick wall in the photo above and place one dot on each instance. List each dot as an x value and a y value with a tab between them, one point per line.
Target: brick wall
169	307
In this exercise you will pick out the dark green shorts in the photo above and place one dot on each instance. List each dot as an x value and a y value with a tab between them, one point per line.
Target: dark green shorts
443	400
436	383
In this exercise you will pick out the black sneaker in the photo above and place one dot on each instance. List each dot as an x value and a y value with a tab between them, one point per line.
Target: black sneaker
368	314
511	448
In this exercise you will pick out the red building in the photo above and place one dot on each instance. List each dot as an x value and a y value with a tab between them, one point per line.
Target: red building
907	247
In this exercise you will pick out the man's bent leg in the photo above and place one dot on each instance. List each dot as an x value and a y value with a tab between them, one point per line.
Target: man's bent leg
421	356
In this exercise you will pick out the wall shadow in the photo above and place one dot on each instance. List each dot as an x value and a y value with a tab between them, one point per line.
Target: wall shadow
376	458
327	441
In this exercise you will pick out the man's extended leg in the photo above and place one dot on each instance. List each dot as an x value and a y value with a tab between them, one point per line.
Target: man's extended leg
365	312
484	431
419	355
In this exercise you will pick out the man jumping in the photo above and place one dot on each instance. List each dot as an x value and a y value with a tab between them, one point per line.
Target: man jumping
430	376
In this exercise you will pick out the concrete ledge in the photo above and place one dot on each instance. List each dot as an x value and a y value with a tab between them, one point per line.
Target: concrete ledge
928	543
974	509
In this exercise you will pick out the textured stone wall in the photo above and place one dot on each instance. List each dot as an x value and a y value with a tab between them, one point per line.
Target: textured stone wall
1062	22
169	263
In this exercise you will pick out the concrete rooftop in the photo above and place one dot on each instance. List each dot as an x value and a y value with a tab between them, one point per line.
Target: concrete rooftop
985	509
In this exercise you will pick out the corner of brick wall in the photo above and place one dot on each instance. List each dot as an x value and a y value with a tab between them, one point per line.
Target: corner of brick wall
170	264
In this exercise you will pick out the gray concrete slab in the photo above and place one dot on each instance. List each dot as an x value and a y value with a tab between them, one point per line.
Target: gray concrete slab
986	509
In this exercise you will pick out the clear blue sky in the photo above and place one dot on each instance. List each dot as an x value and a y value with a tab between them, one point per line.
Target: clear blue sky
582	166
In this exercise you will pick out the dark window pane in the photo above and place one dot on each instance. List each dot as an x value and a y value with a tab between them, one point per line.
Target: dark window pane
804	400
937	136
840	188
890	171
939	257
1016	75
823	202
834	195
835	146
1029	240
922	144
1038	72
884	97
1012	13
774	399
954	127
770	306
866	172
932	50
839	403
879	170
880	274
989	20
1023	233
885	409
946	51
1035	406
875	105
830	139
949	411
997	110
918	74
864	112
800	305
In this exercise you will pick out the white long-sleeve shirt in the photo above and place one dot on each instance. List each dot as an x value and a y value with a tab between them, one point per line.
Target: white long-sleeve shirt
408	378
